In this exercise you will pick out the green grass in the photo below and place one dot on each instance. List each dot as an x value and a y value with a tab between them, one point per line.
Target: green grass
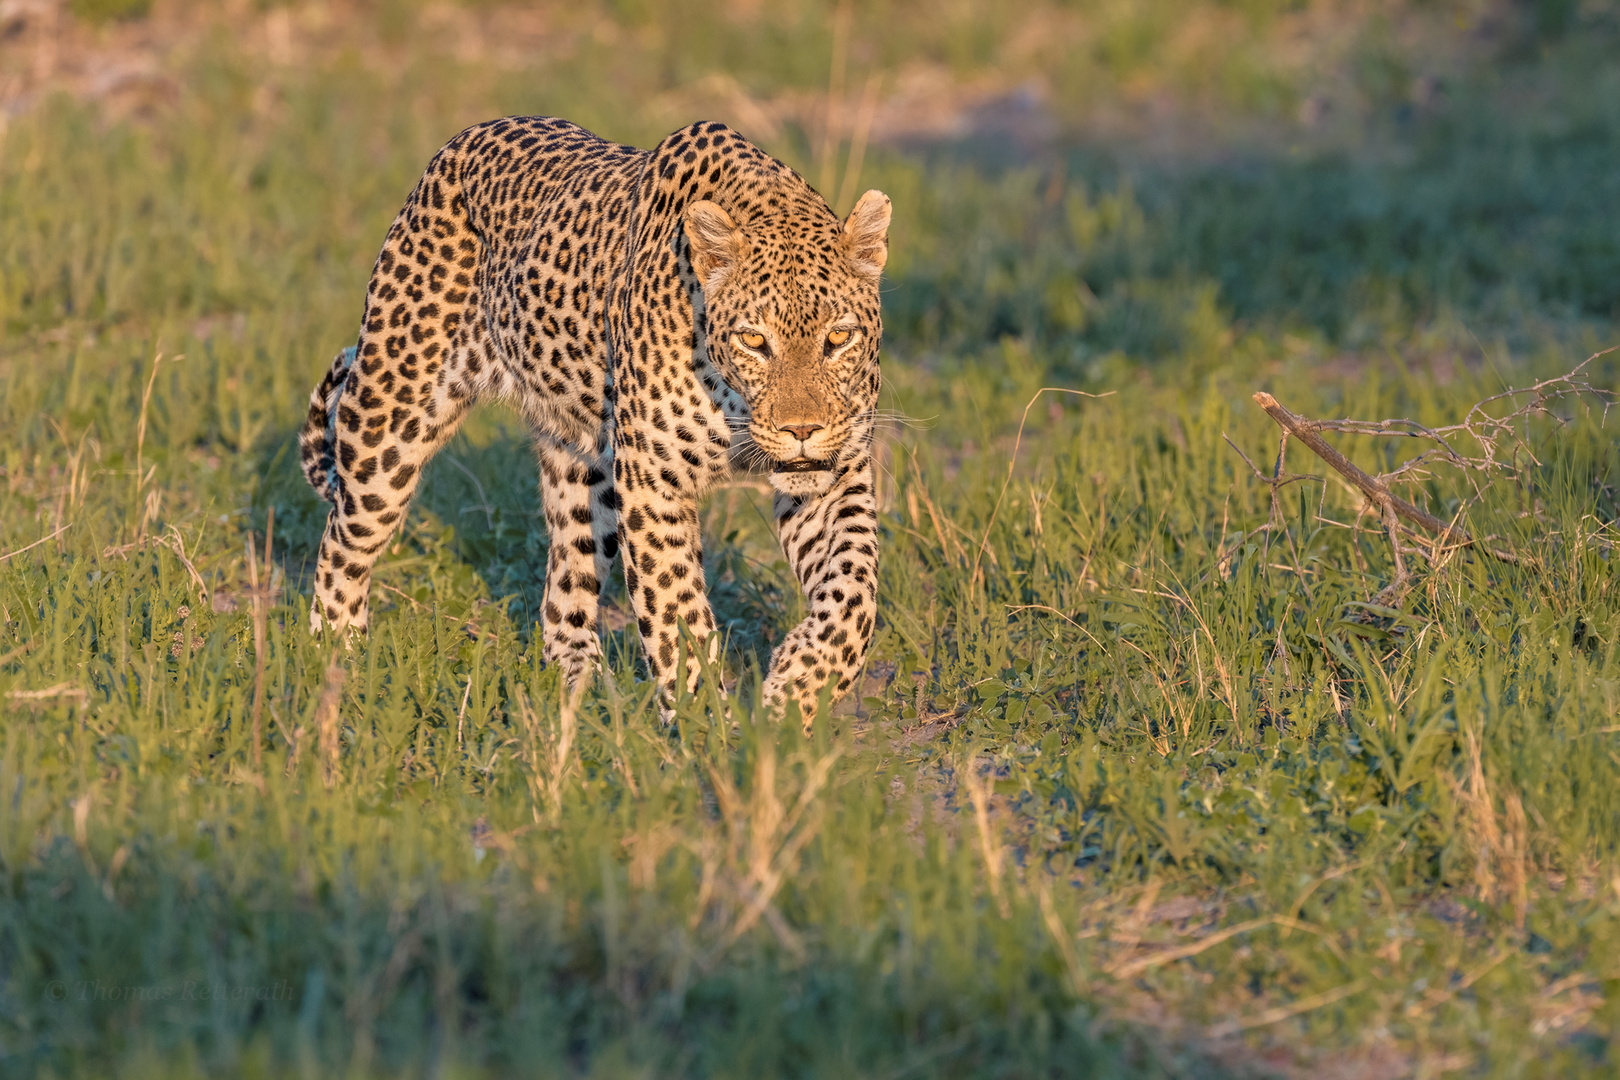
1118	705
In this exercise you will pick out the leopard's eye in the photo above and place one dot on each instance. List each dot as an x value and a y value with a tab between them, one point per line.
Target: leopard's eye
837	338
751	340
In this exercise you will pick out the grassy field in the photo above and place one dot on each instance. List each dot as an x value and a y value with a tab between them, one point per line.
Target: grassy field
1147	776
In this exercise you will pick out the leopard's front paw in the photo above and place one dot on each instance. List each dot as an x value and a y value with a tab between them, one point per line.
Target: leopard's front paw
347	630
801	677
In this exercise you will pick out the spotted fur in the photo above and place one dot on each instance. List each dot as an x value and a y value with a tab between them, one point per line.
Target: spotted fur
654	315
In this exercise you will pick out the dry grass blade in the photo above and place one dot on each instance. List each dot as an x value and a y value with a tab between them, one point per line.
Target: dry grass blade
327	721
857	144
1228	687
759	841
141	477
177	544
260	598
59	690
548	752
1060	938
172	540
140	424
1293	1008
1018	441
978	788
1126	969
42	540
1501	840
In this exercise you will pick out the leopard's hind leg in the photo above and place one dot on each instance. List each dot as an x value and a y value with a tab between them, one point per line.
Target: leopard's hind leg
422	358
378	464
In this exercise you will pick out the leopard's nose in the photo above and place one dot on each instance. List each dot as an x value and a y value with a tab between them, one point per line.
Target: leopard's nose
800	431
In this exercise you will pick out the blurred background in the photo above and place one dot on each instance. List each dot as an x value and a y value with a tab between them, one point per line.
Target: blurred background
1106	184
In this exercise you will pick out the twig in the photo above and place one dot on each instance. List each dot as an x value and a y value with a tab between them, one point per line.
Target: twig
1276	482
1273	482
409	599
1485	429
1391	594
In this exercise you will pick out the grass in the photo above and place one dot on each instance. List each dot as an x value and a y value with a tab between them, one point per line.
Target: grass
1137	784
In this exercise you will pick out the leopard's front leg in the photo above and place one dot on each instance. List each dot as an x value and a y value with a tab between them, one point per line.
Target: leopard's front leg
662	546
831	542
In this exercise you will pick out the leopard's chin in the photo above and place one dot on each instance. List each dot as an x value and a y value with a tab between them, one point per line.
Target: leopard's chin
802	476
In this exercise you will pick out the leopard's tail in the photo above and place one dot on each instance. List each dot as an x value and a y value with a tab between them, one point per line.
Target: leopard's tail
317	442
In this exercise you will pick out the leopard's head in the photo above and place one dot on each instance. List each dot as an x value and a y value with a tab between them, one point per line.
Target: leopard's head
793	323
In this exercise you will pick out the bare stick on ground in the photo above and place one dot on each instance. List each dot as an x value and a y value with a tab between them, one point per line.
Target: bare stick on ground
1376	491
1503	450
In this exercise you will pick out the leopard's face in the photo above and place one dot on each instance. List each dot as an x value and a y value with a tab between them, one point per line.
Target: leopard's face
794	326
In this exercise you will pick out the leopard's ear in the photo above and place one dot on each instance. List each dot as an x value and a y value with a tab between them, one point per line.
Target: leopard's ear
716	242
866	234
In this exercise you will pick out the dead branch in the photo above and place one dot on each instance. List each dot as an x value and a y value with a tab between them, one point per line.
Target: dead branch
1375	490
1490	432
1499	427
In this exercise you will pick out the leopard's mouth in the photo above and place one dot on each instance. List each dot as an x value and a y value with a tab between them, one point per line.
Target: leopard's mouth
802	465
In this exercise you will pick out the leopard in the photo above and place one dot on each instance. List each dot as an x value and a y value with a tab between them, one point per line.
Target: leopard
659	319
